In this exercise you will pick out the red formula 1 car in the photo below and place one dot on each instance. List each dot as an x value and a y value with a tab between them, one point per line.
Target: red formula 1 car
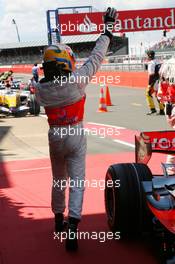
144	203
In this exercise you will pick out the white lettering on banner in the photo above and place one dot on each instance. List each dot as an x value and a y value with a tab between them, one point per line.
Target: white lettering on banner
134	24
163	143
158	22
127	21
172	19
147	23
138	19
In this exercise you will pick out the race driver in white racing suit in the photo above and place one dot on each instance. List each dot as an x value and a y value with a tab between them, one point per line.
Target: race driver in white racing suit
62	93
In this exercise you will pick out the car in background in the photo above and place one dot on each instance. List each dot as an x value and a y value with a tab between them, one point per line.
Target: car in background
17	100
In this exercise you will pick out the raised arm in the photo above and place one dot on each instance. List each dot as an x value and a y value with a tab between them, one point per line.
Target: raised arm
91	66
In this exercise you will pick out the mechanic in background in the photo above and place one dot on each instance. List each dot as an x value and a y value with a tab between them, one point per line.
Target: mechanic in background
6	76
64	106
166	95
153	73
35	73
9	80
31	85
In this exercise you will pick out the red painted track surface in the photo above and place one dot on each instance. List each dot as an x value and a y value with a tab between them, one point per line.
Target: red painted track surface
26	220
26	224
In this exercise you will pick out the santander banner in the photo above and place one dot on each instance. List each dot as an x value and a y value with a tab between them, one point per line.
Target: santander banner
127	21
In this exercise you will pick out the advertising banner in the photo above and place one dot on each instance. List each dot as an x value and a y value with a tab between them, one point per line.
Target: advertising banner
127	21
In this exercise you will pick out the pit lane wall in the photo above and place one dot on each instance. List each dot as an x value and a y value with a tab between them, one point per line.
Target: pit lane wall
116	78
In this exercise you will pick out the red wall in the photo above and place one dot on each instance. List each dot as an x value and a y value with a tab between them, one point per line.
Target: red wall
127	79
26	68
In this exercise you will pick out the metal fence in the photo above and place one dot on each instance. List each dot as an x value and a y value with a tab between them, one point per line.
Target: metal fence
123	67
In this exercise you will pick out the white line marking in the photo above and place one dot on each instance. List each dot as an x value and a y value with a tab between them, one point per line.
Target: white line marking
43	115
136	104
32	169
124	143
91	123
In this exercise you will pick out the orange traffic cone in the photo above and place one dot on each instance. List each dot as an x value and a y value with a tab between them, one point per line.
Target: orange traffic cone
102	104
108	97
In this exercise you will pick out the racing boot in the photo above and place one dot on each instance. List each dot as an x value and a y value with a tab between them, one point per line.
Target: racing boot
152	111
161	112
72	229
60	224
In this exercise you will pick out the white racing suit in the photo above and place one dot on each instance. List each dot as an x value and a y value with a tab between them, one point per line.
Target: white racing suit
68	151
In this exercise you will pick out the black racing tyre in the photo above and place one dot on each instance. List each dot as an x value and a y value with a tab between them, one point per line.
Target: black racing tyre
34	107
126	208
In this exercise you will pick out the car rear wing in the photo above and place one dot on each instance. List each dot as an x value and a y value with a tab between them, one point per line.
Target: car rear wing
155	141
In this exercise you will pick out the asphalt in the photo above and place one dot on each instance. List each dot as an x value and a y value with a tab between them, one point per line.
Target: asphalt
26	138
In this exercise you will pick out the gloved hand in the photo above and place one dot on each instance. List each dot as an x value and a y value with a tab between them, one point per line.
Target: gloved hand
110	16
109	21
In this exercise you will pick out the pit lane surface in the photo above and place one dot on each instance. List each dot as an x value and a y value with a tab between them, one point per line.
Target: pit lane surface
26	222
26	138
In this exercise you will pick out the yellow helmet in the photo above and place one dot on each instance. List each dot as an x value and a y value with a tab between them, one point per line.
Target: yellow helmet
62	54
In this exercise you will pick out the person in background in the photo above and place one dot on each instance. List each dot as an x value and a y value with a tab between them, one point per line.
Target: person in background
153	78
35	72
166	94
8	75
9	80
31	85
